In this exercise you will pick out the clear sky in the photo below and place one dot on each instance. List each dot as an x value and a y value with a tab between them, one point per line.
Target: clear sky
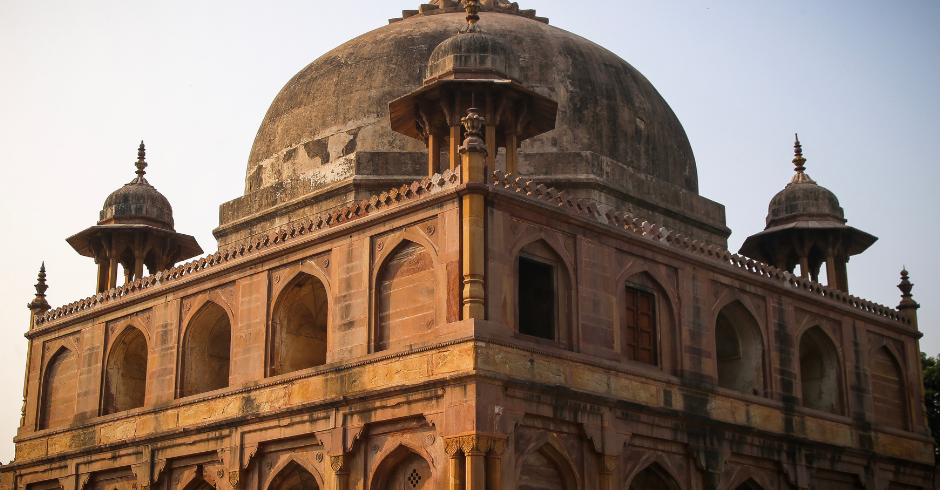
81	83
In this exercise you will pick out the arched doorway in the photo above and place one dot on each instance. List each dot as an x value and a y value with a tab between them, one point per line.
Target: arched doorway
299	326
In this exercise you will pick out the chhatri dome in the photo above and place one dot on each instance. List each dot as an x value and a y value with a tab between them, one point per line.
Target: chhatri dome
327	139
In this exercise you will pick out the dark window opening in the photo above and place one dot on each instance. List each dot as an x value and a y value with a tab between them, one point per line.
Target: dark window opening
536	299
640	338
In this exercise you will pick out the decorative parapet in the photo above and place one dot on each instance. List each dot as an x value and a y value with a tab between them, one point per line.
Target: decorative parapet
626	221
377	203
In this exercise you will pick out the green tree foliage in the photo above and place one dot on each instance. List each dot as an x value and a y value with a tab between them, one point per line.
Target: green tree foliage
931	368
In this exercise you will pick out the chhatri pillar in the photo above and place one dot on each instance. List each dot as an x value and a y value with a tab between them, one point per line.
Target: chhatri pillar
472	69
135	229
806	227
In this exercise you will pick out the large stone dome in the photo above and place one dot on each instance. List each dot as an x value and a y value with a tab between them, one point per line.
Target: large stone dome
605	105
327	139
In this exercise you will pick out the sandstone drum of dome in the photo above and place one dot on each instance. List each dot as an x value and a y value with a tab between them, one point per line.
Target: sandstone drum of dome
326	139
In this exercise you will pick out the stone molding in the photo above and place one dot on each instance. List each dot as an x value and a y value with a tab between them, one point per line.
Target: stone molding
659	234
377	203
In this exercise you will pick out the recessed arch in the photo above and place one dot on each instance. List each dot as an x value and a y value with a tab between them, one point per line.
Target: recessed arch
206	351
820	371
125	377
406	295
888	383
647	320
403	468
652	477
299	326
543	291
292	474
545	465
739	350
59	389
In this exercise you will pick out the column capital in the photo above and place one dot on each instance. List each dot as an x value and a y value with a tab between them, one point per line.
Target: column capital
608	463
338	463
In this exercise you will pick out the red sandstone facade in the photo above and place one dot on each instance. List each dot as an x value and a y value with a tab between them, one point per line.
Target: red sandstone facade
389	344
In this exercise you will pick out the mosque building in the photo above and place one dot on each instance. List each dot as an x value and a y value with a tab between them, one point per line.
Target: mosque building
471	255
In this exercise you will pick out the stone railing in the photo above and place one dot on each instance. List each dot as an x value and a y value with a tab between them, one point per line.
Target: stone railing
630	223
377	203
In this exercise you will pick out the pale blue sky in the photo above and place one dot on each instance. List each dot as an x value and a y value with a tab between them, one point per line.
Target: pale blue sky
83	82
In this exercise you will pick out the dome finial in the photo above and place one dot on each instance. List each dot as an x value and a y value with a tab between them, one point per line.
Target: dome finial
473	8
141	162
801	176
39	303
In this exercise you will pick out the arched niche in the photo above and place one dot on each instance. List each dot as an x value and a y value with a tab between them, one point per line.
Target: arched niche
405	293
294	476
739	349
126	372
299	326
206	351
887	389
543	289
647	327
403	469
59	389
653	477
820	372
546	468
197	483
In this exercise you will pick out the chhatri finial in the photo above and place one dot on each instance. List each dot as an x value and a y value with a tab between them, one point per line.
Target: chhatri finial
907	299
801	176
39	302
141	162
473	8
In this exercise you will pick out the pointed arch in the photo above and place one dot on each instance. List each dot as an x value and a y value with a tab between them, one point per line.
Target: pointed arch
59	389
653	469
744	478
888	388
545	464
125	377
820	371
739	349
194	479
406	287
647	318
403	468
299	325
543	279
206	350
293	472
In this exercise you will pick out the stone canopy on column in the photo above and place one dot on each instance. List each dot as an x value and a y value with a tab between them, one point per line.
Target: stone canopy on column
135	229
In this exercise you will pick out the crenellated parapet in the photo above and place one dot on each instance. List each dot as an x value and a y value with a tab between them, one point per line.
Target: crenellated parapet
392	198
661	235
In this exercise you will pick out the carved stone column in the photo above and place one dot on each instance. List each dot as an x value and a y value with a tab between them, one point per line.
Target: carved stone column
607	467
474	153
452	448
475	448
493	464
341	468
